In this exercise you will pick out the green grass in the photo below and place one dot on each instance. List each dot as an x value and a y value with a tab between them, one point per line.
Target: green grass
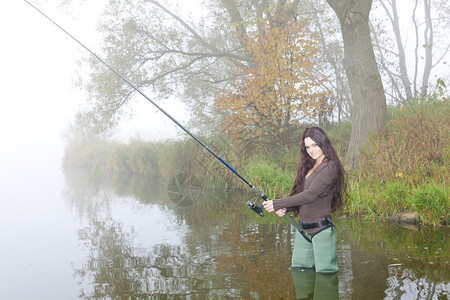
432	203
376	200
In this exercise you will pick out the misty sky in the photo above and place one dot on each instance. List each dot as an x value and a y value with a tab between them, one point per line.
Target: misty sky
36	100
38	63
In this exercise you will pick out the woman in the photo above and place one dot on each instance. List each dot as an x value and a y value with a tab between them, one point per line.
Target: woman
317	191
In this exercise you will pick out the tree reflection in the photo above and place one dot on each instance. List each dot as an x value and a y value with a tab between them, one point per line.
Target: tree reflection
405	283
385	261
111	256
117	268
257	258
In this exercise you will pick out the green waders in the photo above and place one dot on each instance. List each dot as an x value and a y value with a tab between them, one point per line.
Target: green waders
318	251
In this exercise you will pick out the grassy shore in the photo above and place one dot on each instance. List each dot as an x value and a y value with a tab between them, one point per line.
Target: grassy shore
406	168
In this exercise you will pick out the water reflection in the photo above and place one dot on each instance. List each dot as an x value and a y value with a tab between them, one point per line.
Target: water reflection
312	285
117	267
405	282
140	245
371	251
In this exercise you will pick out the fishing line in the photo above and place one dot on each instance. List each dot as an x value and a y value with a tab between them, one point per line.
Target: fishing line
251	204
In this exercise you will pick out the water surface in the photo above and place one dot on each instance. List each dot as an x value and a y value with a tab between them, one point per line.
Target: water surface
71	235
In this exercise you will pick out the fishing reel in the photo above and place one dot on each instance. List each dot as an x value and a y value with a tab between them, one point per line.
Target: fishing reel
257	209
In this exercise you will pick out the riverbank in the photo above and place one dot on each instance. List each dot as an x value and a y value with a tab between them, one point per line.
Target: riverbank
406	168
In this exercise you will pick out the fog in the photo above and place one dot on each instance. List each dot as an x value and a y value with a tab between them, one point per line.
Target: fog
39	101
39	62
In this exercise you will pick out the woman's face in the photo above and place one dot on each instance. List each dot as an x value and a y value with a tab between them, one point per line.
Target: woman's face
313	150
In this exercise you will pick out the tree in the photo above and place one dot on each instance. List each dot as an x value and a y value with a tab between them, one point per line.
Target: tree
403	69
166	53
369	102
162	54
329	62
278	88
403	72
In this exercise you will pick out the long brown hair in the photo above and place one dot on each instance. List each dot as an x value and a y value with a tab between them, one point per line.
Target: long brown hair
306	163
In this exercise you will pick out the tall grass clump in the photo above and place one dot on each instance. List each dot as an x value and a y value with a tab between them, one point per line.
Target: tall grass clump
270	178
432	204
360	200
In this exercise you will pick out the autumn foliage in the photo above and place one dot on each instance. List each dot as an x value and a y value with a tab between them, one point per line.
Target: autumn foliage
277	89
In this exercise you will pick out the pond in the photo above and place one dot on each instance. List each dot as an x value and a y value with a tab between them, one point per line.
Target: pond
70	235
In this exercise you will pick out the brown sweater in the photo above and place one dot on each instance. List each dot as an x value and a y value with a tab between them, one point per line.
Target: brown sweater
314	201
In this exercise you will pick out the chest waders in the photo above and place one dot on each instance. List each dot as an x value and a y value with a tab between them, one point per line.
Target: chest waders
318	250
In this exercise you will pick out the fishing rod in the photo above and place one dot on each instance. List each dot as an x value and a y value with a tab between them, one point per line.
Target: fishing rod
251	204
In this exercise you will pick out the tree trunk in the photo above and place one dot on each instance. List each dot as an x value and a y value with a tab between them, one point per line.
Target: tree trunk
369	102
401	54
428	38
401	49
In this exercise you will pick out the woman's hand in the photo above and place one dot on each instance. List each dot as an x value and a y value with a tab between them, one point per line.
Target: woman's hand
268	205
281	212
